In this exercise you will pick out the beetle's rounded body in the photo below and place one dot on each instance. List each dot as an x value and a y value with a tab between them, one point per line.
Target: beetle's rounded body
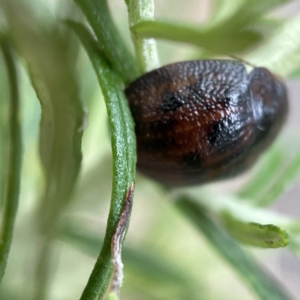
200	121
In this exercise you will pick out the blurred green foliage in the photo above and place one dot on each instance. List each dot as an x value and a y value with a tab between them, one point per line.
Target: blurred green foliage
68	169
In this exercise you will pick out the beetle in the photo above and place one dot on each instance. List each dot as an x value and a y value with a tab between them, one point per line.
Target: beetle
204	120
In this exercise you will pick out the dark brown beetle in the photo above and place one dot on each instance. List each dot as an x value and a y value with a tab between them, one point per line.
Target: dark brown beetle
201	121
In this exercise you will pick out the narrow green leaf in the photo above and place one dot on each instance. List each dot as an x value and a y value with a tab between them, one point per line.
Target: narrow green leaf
215	40
279	168
53	77
4	112
245	211
284	45
243	12
264	287
223	9
255	234
124	156
228	33
279	186
294	237
110	41
248	12
294	245
270	167
14	160
47	56
145	49
295	74
8	294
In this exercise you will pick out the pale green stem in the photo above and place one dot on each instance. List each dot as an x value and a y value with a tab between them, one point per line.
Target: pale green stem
145	48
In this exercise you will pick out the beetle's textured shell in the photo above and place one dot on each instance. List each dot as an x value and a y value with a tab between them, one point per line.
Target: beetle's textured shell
200	121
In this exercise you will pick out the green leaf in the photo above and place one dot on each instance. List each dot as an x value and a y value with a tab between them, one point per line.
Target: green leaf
53	77
243	12
239	27
12	188
245	211
269	167
288	175
248	12
255	234
294	236
48	59
214	39
7	294
264	287
284	45
124	156
294	244
4	112
278	169
295	74
110	41
223	9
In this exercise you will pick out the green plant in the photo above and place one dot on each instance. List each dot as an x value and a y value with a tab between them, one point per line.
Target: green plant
43	51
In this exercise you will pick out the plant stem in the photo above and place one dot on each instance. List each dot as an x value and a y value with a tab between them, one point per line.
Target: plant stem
145	49
14	161
109	38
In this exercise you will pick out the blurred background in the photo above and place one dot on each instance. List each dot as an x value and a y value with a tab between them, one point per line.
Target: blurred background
164	256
